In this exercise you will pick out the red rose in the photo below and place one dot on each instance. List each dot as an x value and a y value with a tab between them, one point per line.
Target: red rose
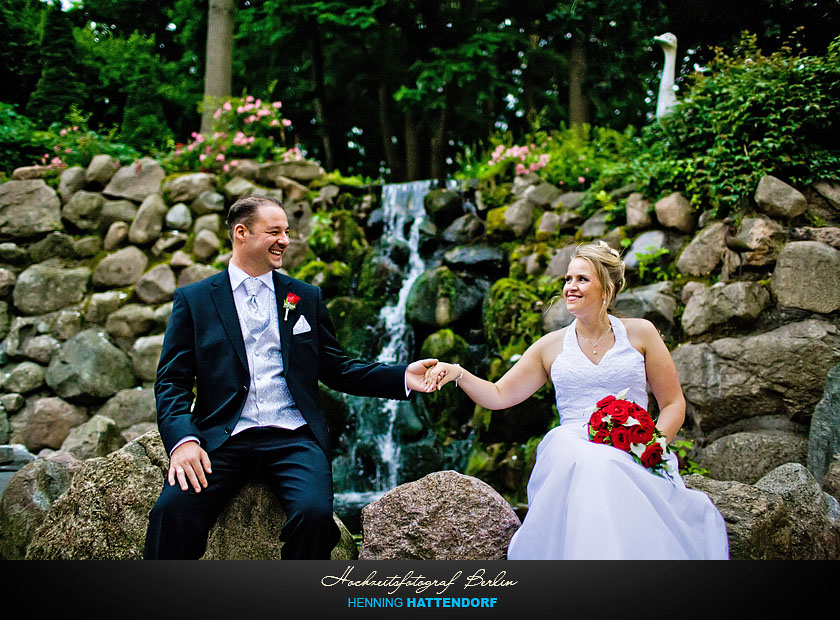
604	401
292	299
620	410
596	421
641	434
652	455
620	438
600	437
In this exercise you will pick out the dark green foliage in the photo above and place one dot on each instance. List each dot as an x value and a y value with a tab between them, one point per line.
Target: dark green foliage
58	88
749	115
143	122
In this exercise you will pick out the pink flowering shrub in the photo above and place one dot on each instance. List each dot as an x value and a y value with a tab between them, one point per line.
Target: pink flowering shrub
243	128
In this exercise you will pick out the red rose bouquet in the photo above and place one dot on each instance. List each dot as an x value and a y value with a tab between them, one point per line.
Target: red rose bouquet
624	425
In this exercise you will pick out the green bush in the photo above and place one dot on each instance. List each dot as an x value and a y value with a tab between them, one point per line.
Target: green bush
749	115
17	143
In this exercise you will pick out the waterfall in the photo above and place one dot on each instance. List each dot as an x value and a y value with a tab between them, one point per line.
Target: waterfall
403	209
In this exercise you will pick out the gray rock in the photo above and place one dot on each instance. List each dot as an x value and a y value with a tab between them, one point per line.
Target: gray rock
638	212
195	273
87	247
568	200
519	216
720	304
238	187
121	268
27	498
99	436
116	211
811	534
188	187
829	235
675	211
764	236
13	253
130	321
808	261
245	168
596	225
778	199
831	481
46	287
71	181
181	259
295	255
136	430
206	245
5	319
84	209
439	298
54	245
7	281
824	437
24	378
646	243
521	182
103	304
464	229
208	202
148	223
210	221
145	354
88	367
304	171
548	226
705	252
28	208
542	194
130	407
100	170
117	235
443	206
11	403
443	516
156	285
162	314
556	316
654	302
749	455
179	217
31	172
558	262
479	258
780	372
830	191
50	421
136	181
169	241
40	348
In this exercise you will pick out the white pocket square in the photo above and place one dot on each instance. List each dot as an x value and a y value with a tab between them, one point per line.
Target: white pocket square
302	326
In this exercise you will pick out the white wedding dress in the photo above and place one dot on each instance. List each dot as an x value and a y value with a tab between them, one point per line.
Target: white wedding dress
592	501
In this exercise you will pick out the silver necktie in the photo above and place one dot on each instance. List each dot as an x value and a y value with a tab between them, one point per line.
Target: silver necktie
256	318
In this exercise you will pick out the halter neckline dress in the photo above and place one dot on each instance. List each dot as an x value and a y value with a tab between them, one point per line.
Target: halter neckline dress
592	501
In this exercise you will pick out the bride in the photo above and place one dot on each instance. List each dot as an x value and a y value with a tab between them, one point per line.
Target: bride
588	500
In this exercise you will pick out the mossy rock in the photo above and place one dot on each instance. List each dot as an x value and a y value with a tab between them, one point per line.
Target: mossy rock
441	297
503	466
512	315
355	323
496	224
333	278
380	279
444	206
449	409
336	236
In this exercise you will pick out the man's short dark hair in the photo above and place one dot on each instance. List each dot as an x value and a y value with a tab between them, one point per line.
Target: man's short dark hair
244	211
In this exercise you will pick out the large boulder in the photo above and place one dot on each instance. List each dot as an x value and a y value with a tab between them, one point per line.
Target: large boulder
780	372
813	262
302	170
749	455
723	304
675	211
27	498
824	437
28	208
136	181
188	187
49	423
443	516
47	287
778	199
129	407
105	512
99	436
84	209
705	252
654	302
89	367
121	268
439	298
100	170
148	223
156	286
637	209
145	354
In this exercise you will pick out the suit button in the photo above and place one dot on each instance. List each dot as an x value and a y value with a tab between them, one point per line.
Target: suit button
244	388
227	429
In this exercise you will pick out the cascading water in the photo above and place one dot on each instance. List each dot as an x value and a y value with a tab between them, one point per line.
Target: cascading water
371	465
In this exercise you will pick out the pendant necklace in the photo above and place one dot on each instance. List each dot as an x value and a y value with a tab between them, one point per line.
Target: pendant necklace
594	344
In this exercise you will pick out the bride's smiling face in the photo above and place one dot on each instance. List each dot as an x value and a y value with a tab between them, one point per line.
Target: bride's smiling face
582	291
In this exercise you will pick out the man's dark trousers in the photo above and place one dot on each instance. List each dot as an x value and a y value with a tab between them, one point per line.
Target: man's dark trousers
296	470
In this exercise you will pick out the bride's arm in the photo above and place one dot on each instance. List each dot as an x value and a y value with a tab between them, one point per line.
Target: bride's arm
664	381
526	377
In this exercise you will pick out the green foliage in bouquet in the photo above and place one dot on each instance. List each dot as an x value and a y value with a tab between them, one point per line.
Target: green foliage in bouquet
748	115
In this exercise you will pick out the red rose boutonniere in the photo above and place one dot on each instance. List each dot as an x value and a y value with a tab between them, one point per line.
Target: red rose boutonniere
624	425
290	304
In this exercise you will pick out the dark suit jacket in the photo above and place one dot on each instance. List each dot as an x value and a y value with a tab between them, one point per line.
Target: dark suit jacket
203	349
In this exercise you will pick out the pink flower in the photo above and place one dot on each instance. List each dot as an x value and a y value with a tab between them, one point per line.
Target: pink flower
226	168
202	157
217	113
227	107
250	119
274	123
249	98
287	122
520	169
63	132
220	157
581	180
277	104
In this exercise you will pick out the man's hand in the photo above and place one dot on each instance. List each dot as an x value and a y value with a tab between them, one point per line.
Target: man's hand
415	375
188	465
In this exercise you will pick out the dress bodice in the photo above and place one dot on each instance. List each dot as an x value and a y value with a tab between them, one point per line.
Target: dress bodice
579	383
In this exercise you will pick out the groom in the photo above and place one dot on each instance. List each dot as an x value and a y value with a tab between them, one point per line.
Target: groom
249	346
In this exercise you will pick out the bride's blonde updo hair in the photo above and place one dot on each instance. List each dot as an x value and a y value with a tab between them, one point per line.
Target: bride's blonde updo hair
608	267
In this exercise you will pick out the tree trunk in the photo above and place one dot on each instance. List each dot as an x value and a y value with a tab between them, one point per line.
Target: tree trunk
319	102
438	147
218	65
577	73
388	147
412	149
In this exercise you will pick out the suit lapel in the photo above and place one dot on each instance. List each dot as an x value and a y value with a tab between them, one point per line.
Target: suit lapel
222	296
282	286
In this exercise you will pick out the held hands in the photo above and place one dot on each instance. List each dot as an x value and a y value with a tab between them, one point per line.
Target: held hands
188	464
415	375
442	373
